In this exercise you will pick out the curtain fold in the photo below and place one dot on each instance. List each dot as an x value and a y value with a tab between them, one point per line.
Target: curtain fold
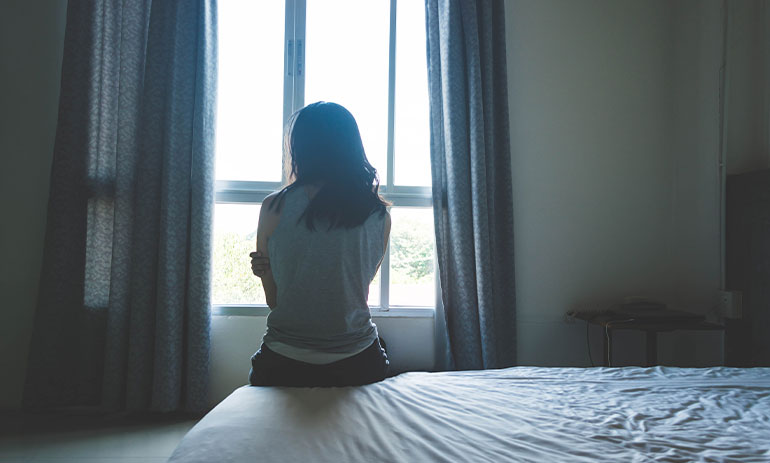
123	313
471	169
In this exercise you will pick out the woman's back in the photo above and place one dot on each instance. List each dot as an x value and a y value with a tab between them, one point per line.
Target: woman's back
316	277
322	277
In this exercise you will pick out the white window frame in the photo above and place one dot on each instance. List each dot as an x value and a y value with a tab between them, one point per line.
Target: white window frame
252	193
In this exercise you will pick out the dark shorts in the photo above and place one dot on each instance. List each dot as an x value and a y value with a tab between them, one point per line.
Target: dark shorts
269	368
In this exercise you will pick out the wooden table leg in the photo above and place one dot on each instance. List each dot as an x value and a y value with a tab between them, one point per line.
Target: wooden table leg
652	348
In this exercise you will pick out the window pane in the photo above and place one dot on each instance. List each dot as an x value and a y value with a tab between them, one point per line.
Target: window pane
250	90
346	62
411	257
235	236
412	128
374	291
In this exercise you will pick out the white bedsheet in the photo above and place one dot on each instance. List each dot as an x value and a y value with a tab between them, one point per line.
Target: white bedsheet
515	414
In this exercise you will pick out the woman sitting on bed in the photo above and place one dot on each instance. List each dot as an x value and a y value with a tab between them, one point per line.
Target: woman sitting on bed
320	242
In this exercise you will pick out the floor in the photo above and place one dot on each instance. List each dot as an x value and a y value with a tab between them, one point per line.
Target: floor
28	438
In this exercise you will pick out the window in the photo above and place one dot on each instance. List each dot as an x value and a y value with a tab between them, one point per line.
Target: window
370	58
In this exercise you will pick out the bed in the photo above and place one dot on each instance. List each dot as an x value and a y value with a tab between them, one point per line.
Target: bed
527	414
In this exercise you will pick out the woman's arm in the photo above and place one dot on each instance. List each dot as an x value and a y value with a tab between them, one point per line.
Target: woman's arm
268	221
387	236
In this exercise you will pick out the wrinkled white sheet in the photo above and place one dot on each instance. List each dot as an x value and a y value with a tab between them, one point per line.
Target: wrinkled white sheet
516	414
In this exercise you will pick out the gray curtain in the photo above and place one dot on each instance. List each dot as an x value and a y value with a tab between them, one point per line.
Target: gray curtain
123	309
471	164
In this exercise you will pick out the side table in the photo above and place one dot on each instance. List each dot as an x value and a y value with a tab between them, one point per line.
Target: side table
611	321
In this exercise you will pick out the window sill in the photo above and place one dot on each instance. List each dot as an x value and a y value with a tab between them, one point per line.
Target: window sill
263	310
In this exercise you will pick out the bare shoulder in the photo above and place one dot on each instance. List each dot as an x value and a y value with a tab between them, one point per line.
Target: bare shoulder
269	214
268	202
387	219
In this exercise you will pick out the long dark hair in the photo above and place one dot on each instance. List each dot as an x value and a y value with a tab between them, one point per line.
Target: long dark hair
323	146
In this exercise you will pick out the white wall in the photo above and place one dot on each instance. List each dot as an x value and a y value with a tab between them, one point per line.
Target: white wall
696	56
31	44
594	157
747	105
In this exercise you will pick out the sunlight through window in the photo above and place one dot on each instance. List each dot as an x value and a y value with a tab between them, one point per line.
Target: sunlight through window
274	58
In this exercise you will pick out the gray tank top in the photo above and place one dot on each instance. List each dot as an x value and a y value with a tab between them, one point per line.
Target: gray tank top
323	280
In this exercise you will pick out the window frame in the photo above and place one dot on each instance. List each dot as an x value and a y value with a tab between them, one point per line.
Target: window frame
400	196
